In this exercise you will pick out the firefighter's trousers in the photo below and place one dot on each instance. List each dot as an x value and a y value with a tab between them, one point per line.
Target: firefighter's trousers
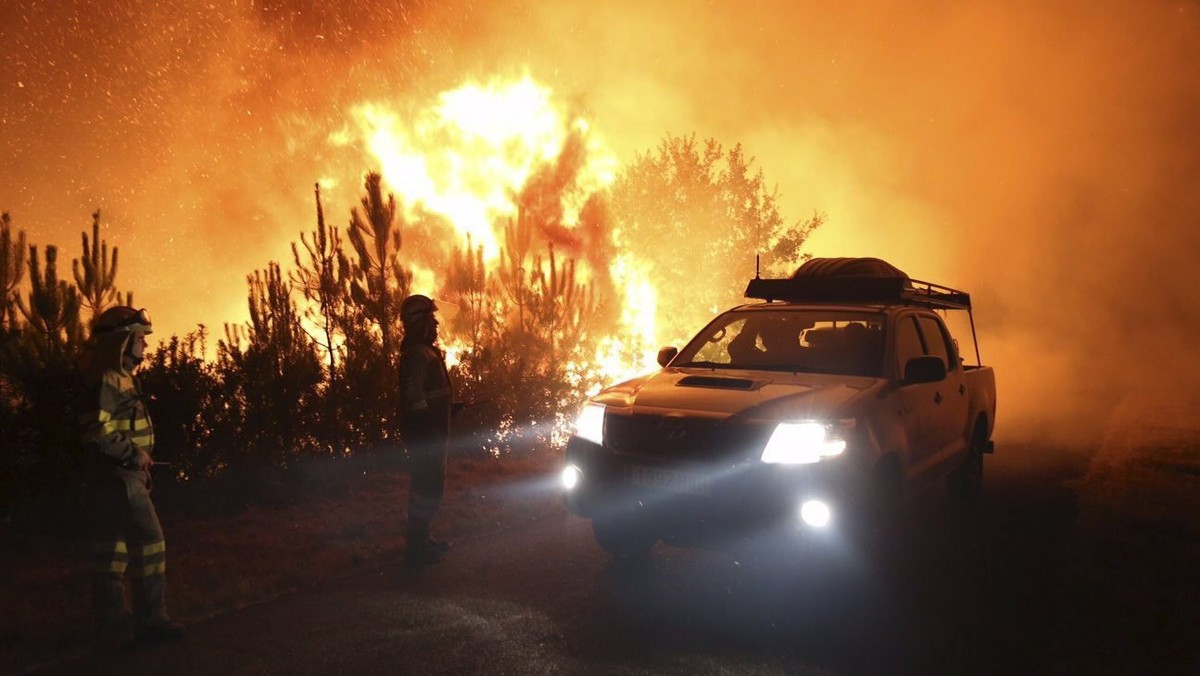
129	542
427	483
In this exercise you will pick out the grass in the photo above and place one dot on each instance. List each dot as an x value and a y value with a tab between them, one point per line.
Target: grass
216	564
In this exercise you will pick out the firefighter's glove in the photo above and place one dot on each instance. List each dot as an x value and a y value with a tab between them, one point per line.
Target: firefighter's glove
141	461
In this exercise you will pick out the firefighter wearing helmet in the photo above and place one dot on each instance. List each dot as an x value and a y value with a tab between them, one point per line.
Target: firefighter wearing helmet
426	399
119	441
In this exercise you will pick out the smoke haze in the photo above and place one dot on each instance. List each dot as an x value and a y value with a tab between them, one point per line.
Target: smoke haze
1043	156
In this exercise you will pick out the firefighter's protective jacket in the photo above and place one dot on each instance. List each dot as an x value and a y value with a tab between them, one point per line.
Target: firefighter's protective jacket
425	391
113	421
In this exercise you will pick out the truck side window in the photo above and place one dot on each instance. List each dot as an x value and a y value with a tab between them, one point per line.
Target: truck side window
935	341
908	343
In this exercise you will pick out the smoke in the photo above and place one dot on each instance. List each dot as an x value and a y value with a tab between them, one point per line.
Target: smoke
1043	156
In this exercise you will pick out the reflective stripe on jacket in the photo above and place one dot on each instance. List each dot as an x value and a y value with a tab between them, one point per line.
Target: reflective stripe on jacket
117	425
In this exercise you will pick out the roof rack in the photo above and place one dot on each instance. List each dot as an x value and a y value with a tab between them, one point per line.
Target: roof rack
895	290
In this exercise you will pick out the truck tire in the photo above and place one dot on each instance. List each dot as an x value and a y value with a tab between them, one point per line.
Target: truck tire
879	520
966	483
623	539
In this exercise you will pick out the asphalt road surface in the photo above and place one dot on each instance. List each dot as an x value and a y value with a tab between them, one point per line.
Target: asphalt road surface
979	594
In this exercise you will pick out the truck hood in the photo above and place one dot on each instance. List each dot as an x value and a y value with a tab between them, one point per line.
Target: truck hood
749	395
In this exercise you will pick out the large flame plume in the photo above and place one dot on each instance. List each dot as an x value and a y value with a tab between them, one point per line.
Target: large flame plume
460	166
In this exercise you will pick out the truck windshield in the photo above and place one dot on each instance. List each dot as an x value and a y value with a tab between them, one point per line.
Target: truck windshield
800	341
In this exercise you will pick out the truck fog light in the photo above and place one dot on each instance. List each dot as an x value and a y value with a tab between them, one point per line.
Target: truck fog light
571	476
815	513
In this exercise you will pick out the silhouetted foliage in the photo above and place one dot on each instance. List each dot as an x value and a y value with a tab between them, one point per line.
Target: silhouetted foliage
186	406
12	271
39	370
270	373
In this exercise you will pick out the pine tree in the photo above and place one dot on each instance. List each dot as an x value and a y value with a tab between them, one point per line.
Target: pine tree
96	272
469	286
323	276
380	282
561	304
272	370
53	308
12	270
518	240
322	281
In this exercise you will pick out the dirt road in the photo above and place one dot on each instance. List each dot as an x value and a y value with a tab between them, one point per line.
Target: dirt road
994	592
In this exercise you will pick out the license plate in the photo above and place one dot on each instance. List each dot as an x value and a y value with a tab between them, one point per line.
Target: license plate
669	479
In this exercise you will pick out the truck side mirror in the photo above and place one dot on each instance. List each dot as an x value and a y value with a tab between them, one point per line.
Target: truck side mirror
666	354
927	369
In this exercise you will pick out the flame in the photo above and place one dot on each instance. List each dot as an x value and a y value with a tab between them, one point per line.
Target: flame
453	350
424	280
632	350
468	156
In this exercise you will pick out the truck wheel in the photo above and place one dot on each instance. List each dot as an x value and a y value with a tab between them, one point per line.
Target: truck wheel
966	483
889	507
879	520
623	539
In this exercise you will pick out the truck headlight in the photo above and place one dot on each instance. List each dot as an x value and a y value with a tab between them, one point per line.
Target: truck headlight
815	513
571	476
590	423
800	443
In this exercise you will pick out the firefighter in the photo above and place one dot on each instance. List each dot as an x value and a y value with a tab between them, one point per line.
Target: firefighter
426	397
119	441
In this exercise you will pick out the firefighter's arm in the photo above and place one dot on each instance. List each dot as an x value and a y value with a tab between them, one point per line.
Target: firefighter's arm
111	437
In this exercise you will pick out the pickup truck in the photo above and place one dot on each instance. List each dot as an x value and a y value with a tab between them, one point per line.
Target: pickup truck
819	409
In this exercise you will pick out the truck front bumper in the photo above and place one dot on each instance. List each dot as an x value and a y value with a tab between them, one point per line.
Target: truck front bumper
692	502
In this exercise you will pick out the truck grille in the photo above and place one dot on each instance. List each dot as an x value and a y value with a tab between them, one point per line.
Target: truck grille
683	439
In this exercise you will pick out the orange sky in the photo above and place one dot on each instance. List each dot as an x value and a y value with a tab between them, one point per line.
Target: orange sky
1044	156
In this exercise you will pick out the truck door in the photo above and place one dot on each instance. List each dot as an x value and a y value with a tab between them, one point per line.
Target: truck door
951	398
916	402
